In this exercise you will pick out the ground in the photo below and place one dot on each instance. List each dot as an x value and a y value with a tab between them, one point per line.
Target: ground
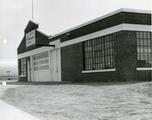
92	101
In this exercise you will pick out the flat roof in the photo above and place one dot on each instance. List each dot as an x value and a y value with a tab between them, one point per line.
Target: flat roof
102	17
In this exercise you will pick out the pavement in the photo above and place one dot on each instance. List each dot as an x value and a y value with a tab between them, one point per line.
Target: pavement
9	112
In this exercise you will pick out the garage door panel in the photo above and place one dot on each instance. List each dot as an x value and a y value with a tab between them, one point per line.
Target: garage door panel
42	76
41	68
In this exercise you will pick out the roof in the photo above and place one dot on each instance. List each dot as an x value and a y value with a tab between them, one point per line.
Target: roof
31	25
100	18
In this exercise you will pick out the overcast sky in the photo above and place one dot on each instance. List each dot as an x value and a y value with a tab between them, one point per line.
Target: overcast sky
53	16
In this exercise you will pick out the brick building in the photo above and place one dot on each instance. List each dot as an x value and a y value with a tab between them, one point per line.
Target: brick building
114	47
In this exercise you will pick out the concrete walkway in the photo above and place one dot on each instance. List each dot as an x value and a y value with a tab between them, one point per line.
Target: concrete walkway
8	112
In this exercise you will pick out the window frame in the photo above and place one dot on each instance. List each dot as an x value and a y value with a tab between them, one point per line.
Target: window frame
98	53
144	50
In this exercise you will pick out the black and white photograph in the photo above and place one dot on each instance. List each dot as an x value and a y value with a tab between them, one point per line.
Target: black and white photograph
75	59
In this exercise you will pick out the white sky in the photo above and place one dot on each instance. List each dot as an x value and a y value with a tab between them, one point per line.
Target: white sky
53	16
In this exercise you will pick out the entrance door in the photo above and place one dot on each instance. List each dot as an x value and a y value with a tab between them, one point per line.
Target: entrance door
52	66
55	65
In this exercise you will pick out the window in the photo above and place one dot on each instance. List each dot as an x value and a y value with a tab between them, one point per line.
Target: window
23	66
99	53
41	61
144	49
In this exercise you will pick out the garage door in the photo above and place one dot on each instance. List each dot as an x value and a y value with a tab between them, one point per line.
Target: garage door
41	71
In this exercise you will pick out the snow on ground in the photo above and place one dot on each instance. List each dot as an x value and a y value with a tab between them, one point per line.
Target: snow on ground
122	101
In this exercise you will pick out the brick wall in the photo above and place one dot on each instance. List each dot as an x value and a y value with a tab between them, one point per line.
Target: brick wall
126	56
72	66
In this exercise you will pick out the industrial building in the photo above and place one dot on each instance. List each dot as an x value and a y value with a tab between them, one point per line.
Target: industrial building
114	47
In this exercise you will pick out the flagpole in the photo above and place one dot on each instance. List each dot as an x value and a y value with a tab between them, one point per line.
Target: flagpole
32	10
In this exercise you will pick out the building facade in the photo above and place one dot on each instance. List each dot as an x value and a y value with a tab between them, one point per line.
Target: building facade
115	47
35	59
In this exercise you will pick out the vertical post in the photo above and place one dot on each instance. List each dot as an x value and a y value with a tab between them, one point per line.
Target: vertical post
32	9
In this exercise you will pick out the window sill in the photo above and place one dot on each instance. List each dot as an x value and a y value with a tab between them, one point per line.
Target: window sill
143	69
94	71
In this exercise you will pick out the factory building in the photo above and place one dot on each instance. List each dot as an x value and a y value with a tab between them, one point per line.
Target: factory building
114	47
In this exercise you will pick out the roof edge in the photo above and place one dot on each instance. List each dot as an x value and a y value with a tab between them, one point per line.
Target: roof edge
43	33
102	17
31	22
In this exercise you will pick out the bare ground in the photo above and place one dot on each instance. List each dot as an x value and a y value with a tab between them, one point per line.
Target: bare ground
93	101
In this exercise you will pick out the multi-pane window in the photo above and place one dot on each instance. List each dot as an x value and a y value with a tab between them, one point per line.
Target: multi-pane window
41	61
144	49
23	66
99	53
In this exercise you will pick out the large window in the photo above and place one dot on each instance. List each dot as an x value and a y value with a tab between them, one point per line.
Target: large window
23	66
99	53
144	49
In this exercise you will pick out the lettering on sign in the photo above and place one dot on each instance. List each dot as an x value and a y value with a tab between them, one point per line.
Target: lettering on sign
30	38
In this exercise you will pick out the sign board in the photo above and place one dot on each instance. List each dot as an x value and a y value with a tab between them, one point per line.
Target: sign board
30	38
